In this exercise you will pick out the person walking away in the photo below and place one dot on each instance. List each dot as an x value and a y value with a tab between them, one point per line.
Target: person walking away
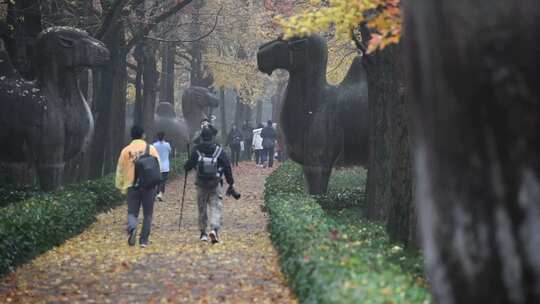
164	150
128	183
247	135
234	141
257	145
205	124
269	136
212	164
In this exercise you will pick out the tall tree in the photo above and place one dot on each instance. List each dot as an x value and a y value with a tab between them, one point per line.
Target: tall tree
110	128
474	85
24	22
383	84
166	86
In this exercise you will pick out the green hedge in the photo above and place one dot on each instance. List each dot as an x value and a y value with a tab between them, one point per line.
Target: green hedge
330	255
35	225
11	194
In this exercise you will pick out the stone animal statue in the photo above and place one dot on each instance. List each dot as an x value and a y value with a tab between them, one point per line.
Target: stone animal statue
196	102
47	121
320	122
176	131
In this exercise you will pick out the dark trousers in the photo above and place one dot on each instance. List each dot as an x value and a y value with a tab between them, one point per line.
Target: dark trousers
247	150
135	199
235	155
164	178
269	156
258	156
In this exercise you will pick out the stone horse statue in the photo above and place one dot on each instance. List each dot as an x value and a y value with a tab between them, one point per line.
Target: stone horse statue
47	121
196	105
175	130
320	122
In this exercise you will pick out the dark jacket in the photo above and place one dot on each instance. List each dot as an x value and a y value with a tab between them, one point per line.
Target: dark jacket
247	132
208	149
234	138
198	140
269	136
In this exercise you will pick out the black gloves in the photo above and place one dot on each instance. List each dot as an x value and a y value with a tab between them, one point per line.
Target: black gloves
232	192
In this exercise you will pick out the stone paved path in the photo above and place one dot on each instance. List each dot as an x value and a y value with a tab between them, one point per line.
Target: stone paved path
99	267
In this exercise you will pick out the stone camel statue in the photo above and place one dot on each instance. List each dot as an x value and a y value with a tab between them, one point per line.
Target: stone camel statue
47	121
176	131
196	102
320	122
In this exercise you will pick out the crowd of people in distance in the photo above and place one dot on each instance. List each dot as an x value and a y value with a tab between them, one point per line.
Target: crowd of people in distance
261	144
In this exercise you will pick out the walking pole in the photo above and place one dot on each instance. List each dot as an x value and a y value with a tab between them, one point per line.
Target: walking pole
183	197
184	191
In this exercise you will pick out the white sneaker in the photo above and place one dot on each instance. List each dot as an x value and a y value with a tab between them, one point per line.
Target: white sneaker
214	237
160	197
204	237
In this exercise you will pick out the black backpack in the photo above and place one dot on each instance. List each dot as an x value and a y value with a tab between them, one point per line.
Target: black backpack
147	171
208	174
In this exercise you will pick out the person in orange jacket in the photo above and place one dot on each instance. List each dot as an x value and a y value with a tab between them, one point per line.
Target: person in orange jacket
136	197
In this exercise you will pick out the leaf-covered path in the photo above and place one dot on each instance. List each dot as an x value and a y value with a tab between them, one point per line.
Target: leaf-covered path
99	267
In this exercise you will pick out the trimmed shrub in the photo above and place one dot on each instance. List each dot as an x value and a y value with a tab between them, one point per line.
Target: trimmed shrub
40	222
11	194
331	255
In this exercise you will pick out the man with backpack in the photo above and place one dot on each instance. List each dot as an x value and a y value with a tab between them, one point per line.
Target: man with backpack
138	174
212	163
234	141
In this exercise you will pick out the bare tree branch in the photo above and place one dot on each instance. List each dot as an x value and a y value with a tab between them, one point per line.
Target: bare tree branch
154	22
113	15
190	40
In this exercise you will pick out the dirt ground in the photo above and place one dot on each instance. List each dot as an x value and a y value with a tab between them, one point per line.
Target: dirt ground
99	267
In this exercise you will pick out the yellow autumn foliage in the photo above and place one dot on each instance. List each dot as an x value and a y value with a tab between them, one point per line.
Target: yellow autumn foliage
244	25
344	16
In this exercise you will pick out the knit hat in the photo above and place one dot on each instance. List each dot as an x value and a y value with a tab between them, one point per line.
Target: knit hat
207	134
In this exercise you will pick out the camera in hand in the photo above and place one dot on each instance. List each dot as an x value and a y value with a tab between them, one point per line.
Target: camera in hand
232	192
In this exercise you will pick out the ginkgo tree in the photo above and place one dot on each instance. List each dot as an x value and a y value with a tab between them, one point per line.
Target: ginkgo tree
345	16
230	55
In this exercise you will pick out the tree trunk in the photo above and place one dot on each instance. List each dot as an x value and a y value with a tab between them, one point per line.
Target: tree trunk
239	111
150	81
390	181
258	119
383	86
109	80
474	84
139	97
168	53
145	100
223	114
118	113
24	17
197	77
400	205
